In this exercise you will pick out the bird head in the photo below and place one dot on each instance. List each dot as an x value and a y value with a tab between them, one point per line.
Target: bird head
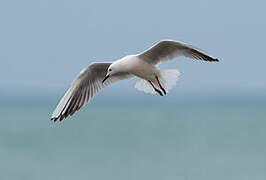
112	69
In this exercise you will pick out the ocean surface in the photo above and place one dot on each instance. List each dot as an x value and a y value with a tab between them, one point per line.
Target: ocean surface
134	140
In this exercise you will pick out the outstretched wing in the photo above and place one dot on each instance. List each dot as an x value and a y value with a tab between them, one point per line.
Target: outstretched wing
167	50
83	88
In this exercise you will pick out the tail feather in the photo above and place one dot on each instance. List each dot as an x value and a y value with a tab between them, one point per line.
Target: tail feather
145	86
167	78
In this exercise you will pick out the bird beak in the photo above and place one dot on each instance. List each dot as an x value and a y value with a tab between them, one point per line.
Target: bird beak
106	77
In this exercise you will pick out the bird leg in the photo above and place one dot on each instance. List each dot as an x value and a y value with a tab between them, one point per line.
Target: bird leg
157	90
160	85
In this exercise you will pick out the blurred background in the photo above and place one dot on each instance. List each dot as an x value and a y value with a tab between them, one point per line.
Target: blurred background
211	125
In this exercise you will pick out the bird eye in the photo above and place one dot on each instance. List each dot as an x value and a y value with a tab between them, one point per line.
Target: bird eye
110	69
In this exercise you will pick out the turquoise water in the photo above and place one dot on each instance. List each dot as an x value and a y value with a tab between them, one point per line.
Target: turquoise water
140	140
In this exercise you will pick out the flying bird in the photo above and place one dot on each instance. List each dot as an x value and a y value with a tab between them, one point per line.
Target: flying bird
98	75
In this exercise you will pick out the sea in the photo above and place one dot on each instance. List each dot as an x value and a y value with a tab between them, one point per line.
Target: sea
149	138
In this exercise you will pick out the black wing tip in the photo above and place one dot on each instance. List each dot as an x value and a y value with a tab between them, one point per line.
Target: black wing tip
214	60
54	119
209	59
61	117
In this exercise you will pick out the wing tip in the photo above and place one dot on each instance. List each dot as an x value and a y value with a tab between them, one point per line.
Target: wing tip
61	117
215	59
211	59
54	119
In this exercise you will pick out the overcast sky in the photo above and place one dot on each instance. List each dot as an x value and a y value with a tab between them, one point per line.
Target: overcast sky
45	43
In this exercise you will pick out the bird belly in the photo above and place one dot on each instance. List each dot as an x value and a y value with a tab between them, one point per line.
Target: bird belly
144	70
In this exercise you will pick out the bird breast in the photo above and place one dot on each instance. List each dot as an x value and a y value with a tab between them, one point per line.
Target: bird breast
140	68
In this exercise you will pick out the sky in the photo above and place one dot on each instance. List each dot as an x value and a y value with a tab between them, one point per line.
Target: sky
44	44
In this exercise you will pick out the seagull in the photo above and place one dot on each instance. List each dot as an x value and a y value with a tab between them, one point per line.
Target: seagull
153	80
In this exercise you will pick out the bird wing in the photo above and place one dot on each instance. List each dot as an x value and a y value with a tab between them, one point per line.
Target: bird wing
168	49
83	88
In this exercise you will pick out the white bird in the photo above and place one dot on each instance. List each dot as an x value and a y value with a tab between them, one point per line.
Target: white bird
100	74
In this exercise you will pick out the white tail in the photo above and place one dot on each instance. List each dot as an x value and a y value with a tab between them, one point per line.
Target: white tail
167	78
